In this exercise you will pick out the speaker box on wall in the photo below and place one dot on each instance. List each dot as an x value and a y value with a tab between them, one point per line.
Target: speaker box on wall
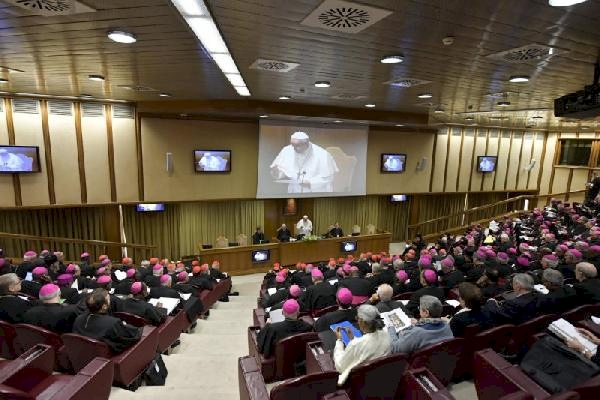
169	162
421	165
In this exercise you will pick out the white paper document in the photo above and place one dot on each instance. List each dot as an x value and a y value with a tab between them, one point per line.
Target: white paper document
453	303
396	319
541	288
565	329
185	296
404	302
596	320
271	291
276	315
333	282
167	302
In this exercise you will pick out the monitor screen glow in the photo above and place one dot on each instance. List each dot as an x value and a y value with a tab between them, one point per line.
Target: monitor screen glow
212	161
393	163
348	246
150	207
486	163
398	198
260	256
19	159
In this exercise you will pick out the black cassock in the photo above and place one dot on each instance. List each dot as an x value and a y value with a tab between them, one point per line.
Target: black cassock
13	308
145	310
54	317
318	296
115	333
270	334
163	291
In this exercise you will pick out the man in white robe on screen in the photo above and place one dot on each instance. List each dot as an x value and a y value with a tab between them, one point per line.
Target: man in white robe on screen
304	166
10	162
210	162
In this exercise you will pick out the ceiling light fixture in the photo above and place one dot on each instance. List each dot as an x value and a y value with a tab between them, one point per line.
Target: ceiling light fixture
370	105
322	84
284	97
96	78
164	94
337	121
392	59
199	19
537	117
263	116
564	3
399	125
469	118
519	79
503	103
3	80
425	96
439	110
122	37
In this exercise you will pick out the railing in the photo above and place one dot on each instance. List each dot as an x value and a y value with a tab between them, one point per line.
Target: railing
444	223
72	248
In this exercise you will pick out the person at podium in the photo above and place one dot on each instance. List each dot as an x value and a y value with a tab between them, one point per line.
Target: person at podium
336	231
304	227
283	233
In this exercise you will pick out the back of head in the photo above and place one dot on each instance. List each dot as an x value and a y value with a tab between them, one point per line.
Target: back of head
471	295
432	305
524	282
552	277
385	292
369	315
6	281
96	300
587	270
376	268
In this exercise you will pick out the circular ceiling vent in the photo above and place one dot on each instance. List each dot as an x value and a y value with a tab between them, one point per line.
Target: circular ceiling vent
344	17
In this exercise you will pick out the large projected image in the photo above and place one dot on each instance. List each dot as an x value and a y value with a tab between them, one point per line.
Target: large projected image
311	161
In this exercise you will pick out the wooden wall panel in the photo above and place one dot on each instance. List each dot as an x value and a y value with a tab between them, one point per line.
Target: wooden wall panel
561	176
452	159
6	180
578	181
126	167
95	145
548	164
492	150
538	148
466	162
65	163
440	161
513	161
525	159
503	160
28	132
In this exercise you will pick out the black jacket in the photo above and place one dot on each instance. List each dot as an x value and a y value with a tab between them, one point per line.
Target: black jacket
318	296
270	334
56	318
13	308
412	307
112	331
358	286
514	311
145	310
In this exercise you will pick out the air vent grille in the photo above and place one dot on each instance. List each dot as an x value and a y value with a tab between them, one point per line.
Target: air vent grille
122	111
527	53
274	65
25	106
51	8
344	16
406	82
60	107
92	109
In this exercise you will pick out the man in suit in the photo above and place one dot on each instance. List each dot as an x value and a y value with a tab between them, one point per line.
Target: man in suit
70	295
124	286
357	285
429	280
450	276
270	334
12	307
519	309
27	265
588	288
98	325
51	314
40	277
560	298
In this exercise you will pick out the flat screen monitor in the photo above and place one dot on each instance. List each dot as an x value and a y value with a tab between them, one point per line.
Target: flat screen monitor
348	246
19	159
486	163
150	207
260	256
393	163
398	198
212	160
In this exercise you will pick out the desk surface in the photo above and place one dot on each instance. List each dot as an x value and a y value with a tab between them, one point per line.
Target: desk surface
237	260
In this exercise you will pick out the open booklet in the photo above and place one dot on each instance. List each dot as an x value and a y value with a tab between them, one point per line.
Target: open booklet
167	302
346	325
396	319
566	330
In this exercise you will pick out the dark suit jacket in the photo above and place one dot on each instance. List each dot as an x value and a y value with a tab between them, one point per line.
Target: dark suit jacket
112	331
70	295
145	310
358	286
163	291
56	318
270	334
31	288
460	321
559	300
514	311
588	291
334	317
318	296
13	308
412	307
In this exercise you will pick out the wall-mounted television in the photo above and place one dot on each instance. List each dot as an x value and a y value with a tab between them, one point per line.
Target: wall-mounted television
348	246
486	163
150	207
398	198
392	163
212	160
260	256
19	159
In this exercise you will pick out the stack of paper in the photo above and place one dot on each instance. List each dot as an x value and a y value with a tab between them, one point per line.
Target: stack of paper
276	315
396	319
167	302
566	330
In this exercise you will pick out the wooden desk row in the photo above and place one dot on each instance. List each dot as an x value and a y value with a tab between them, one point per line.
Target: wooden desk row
237	260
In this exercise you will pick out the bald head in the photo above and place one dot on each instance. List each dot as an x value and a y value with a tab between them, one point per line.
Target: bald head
585	270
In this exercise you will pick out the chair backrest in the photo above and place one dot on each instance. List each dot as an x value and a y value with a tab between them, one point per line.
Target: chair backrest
7	340
290	351
378	378
403	296
582	312
82	349
29	369
30	335
496	338
371	230
311	386
525	330
132	319
440	358
321	311
221	242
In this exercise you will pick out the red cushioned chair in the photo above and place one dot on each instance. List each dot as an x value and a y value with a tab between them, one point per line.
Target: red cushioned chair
30	335
519	336
378	378
421	384
128	365
581	312
321	311
168	331
30	377
441	359
7	339
337	395
403	296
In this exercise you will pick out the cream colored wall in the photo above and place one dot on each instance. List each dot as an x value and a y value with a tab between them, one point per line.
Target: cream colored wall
67	186
126	163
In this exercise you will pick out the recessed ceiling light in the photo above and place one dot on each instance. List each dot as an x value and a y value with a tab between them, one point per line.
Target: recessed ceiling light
96	78
370	105
503	103
284	97
425	96
235	80
3	80
165	95
439	110
519	79
564	3
264	116
337	121
322	84
399	125
537	117
122	37
469	118
85	95
392	59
